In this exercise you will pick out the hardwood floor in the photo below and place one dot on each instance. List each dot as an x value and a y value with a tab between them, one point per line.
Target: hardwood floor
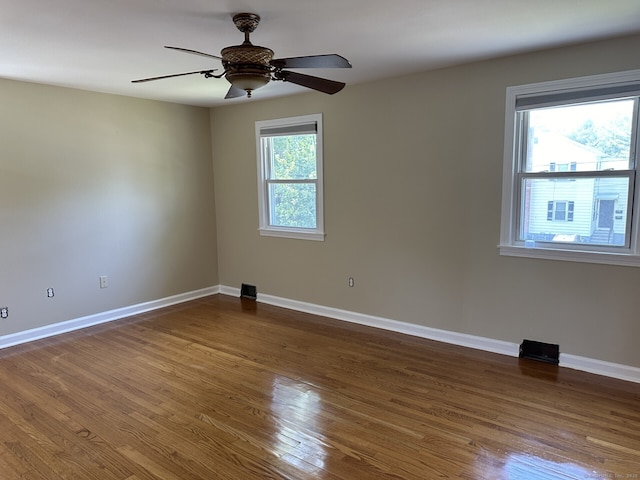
221	388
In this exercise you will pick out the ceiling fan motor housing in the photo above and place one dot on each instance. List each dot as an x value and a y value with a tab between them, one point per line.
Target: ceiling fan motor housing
247	66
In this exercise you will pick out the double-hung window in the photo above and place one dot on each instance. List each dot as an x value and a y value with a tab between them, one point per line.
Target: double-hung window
290	192
570	170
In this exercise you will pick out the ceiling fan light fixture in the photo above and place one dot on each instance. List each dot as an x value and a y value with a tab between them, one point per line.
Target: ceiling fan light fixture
248	80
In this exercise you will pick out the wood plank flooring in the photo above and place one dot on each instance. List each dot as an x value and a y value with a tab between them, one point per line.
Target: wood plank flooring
221	388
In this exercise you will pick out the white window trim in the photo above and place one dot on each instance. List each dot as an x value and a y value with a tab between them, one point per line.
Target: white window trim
265	229
509	244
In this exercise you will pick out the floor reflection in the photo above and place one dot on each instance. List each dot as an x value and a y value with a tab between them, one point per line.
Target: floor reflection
527	467
523	466
297	408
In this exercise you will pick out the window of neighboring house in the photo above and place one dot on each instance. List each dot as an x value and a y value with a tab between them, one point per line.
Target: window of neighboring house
290	177
563	167
560	211
570	170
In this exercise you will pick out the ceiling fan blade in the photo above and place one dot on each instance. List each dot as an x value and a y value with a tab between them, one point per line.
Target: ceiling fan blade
195	52
203	72
234	92
312	61
316	83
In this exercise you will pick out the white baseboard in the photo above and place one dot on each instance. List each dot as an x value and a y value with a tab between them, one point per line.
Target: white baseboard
462	339
599	367
103	317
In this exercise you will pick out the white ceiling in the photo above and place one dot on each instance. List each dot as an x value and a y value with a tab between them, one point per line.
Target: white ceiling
102	45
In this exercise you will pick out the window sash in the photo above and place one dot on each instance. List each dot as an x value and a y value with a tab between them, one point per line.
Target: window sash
268	156
630	175
521	140
272	207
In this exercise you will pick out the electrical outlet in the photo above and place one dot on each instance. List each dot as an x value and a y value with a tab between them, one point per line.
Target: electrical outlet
104	281
4	312
351	282
50	292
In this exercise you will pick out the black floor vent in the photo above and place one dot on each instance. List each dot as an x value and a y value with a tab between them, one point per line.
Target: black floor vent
248	291
545	352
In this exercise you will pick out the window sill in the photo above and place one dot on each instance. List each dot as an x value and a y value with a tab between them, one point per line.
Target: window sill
606	258
292	233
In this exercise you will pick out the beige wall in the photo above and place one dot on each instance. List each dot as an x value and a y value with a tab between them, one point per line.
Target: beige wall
413	170
94	184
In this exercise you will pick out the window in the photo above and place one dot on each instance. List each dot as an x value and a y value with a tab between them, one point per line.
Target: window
560	211
563	167
290	177
570	166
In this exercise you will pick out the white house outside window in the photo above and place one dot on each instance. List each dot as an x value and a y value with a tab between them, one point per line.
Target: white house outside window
570	167
290	191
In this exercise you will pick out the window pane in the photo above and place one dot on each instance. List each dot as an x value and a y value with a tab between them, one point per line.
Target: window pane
592	136
587	210
561	211
293	157
292	205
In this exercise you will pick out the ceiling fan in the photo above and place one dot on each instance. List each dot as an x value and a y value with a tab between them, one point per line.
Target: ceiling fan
248	67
